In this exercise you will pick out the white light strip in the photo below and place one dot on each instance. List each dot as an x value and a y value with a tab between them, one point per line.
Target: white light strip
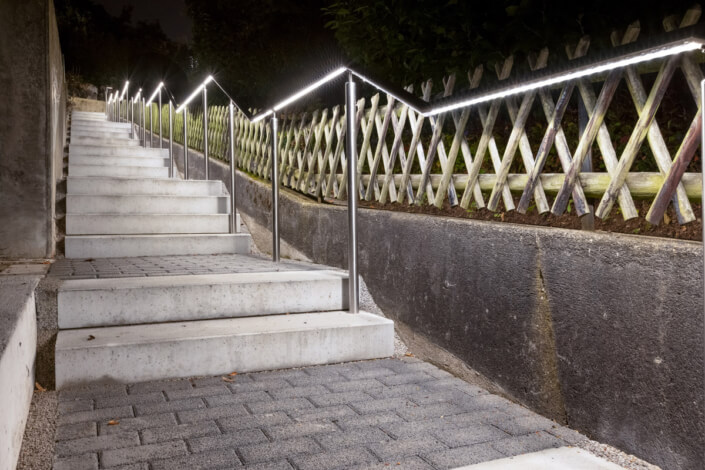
195	93
137	96
259	117
598	68
124	90
159	87
310	88
381	88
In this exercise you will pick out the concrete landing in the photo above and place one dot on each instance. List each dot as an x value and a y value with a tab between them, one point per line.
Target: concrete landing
562	458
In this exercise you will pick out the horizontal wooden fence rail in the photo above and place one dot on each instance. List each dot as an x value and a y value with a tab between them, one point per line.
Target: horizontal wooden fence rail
494	155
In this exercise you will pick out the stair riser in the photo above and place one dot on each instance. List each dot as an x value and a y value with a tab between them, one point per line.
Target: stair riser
186	298
158	245
152	162
98	125
118	171
93	150
147	205
104	141
108	224
99	133
216	354
97	186
97	224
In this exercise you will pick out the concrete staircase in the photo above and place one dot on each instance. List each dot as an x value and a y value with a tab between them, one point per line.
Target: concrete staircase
120	203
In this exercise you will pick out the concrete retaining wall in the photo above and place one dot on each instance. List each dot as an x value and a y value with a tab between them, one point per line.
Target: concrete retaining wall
86	104
32	128
18	343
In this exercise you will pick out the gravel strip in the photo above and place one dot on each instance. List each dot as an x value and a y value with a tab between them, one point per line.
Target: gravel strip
38	442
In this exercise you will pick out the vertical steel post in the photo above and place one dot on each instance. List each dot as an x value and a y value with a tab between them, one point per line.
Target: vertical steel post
205	130
171	139
275	192
233	198
161	140
144	124
151	125
351	154
132	118
702	171
185	143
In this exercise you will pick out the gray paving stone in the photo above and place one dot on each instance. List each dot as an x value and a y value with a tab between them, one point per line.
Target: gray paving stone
237	439
76	462
469	436
404	390
93	391
96	415
231	399
351	438
573	438
343	368
275	465
331	460
289	404
457	384
409	463
145	398
139	423
461	456
399	379
265	385
397	450
310	380
75	405
296	392
329	412
330	399
525	444
377	419
425	397
143	453
87	445
196	392
136	466
76	431
220	380
355	385
358	374
181	431
253	421
220	458
159	386
483	402
278	375
307	428
169	406
526	425
405	429
278	450
429	411
207	414
384	404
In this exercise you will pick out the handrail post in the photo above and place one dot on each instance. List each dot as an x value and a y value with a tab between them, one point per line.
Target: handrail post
161	140
205	129
132	118
144	124
151	125
185	143
233	198
351	154
171	139
275	192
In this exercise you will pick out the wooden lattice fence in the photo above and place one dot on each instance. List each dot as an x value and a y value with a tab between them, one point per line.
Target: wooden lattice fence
408	158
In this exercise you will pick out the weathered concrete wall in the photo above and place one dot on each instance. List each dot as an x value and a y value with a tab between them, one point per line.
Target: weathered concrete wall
32	128
601	331
86	104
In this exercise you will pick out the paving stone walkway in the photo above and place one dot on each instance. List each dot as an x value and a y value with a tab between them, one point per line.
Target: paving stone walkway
388	413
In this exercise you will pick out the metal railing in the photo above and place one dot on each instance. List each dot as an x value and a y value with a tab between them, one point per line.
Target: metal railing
436	111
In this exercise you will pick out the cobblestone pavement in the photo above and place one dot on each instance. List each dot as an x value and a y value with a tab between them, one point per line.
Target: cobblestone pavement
171	266
388	413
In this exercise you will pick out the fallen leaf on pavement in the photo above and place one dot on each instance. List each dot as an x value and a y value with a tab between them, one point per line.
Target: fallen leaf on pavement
113	422
226	379
39	387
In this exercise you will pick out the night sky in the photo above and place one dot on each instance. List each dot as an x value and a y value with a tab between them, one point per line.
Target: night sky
170	13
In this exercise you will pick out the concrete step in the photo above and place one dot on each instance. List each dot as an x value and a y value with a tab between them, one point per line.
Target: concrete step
91	132
85	303
117	246
136	224
118	161
122	140
131	354
134	186
118	171
97	150
89	115
146	204
97	125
